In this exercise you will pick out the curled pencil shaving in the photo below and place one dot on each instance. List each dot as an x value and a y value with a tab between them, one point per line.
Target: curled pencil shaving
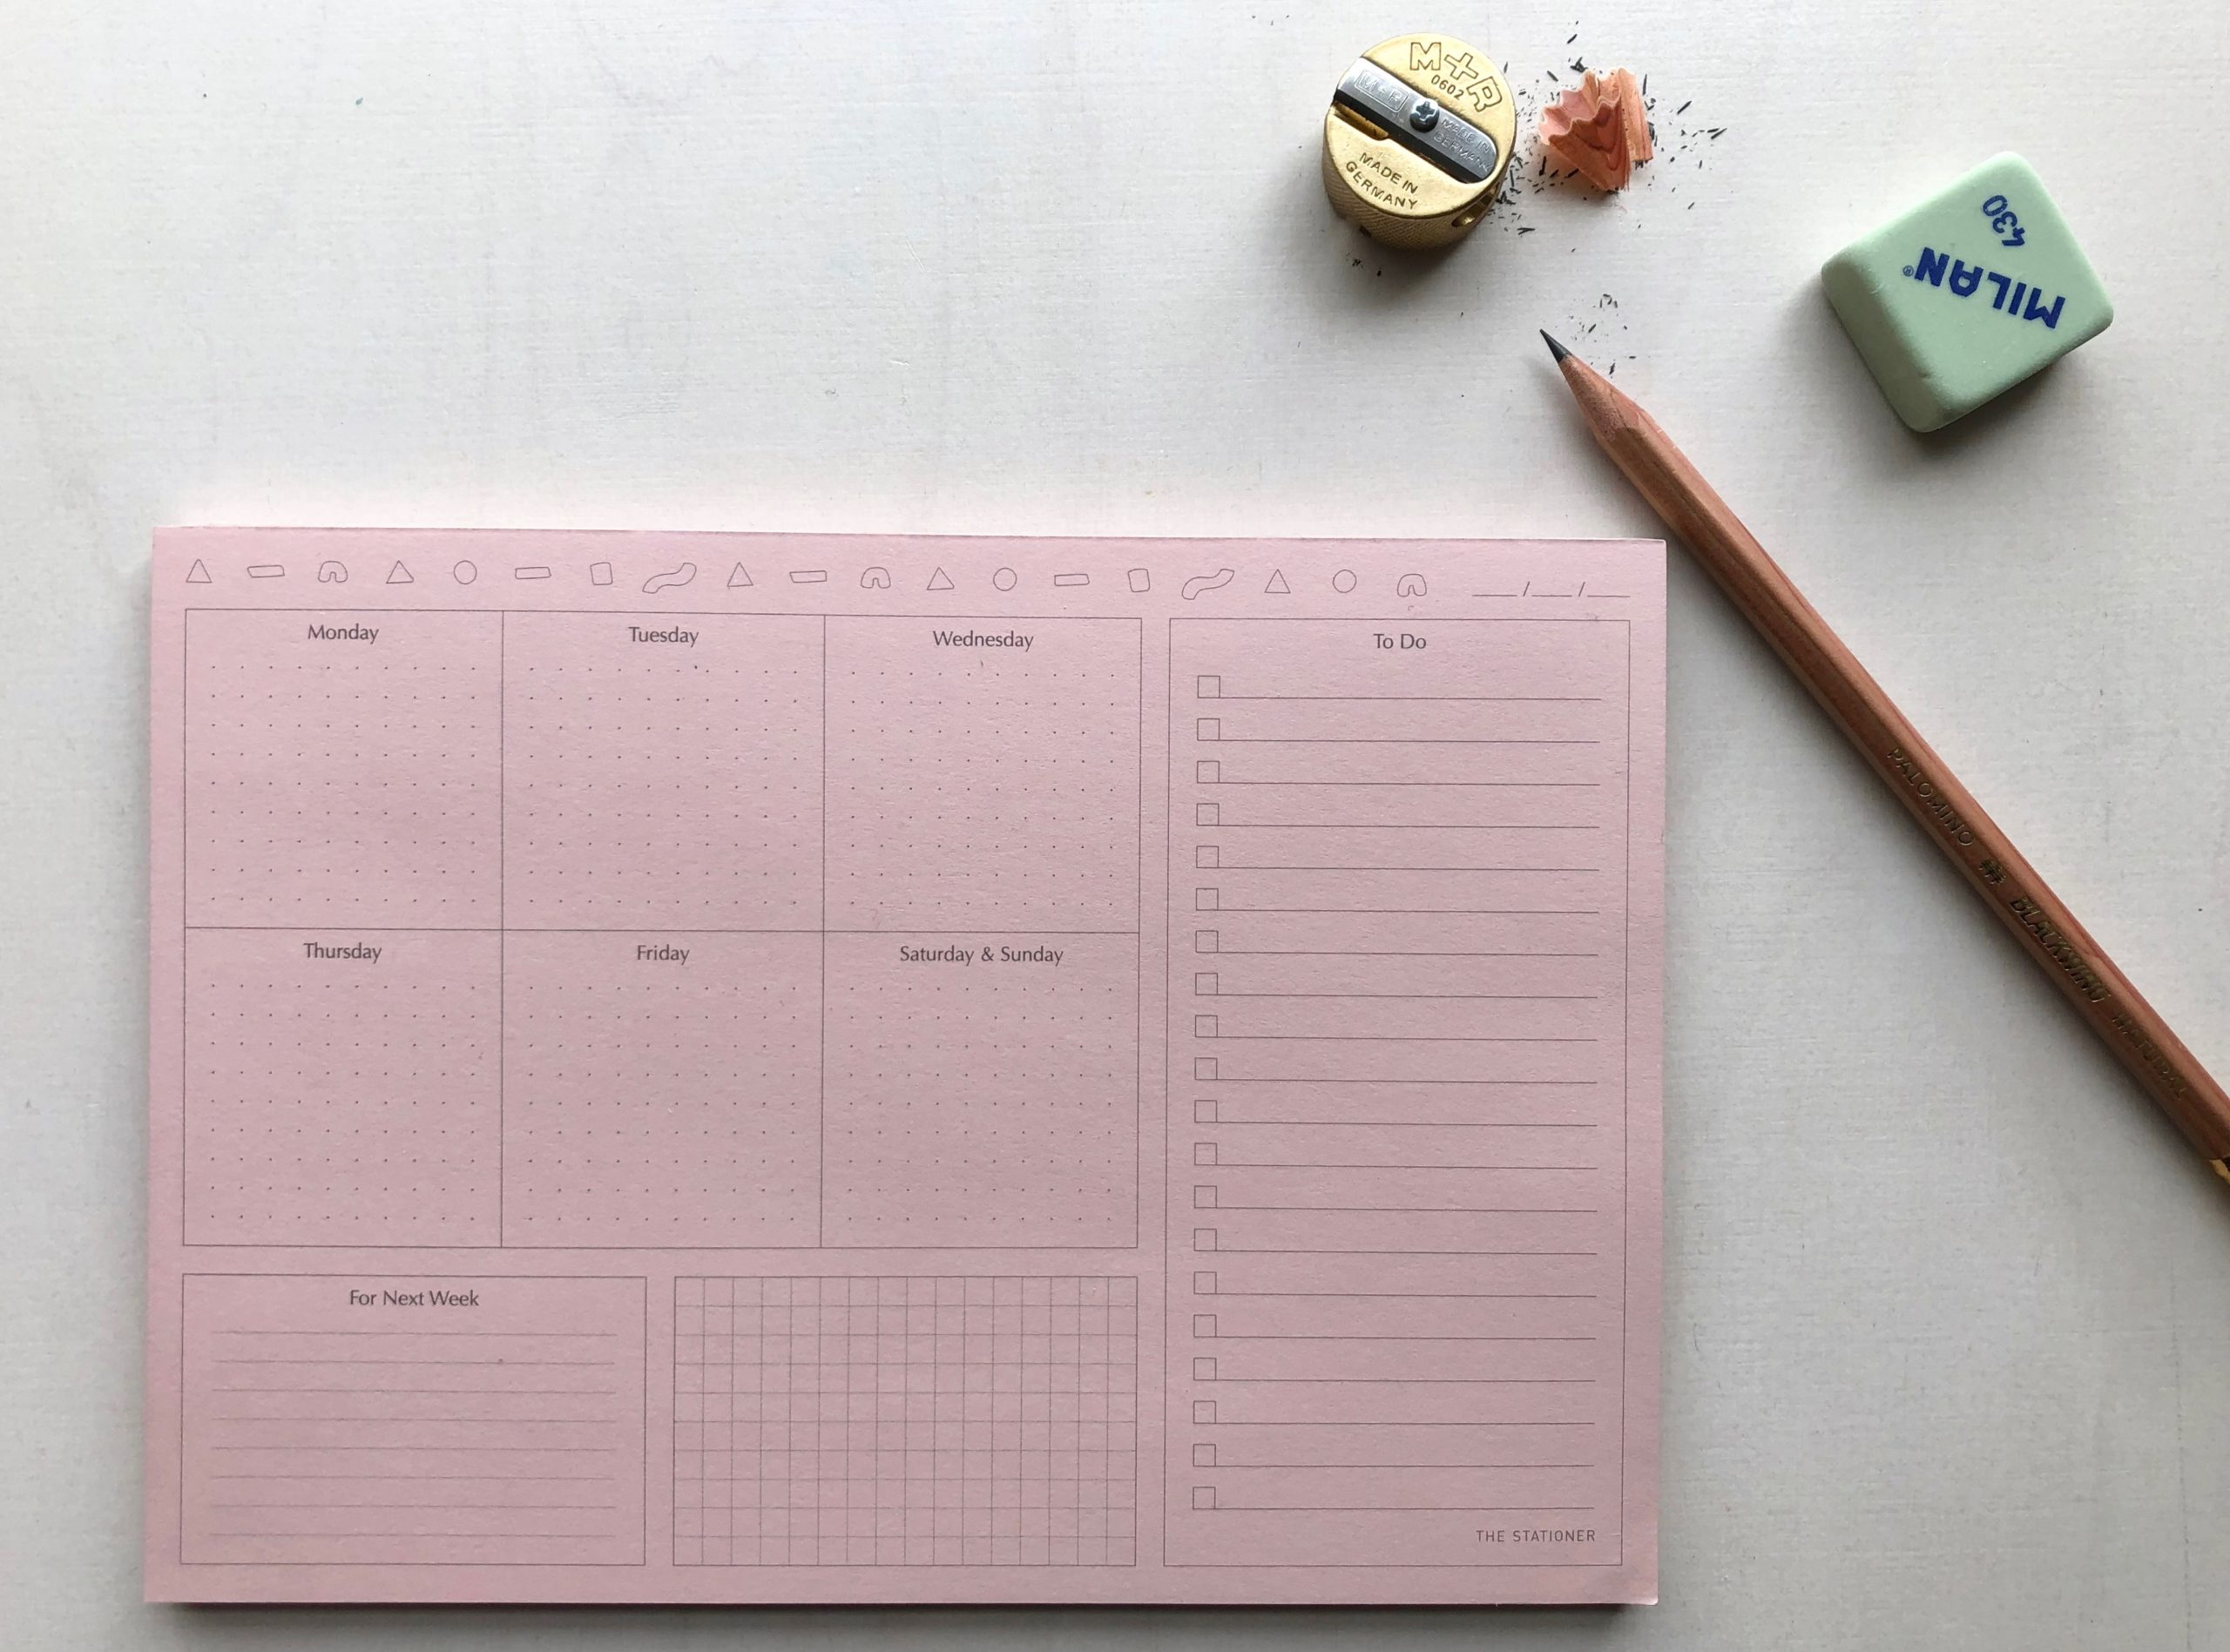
1599	128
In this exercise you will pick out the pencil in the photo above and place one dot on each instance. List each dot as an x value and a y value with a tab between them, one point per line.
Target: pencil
1946	811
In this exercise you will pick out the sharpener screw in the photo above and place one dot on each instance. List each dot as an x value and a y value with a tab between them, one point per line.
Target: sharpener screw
1424	114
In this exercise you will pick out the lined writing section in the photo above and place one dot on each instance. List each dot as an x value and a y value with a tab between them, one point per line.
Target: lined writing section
334	1420
1396	1156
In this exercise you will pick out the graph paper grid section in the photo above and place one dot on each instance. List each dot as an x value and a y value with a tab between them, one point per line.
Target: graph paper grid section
978	1421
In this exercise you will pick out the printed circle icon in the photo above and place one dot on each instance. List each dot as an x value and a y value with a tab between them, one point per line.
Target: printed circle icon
466	573
1344	581
1003	579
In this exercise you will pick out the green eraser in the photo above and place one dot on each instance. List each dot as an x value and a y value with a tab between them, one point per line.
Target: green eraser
1967	294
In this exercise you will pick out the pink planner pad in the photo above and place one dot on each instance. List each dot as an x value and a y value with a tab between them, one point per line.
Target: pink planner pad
731	1067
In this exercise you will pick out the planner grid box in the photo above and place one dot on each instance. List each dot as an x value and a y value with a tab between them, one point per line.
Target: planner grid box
920	1421
727	1068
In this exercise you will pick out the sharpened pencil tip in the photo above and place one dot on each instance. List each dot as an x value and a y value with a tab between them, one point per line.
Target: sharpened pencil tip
1555	348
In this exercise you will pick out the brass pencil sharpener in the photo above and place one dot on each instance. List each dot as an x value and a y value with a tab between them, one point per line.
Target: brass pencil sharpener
1418	140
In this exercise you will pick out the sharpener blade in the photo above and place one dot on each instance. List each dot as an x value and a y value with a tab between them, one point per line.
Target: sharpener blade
1450	142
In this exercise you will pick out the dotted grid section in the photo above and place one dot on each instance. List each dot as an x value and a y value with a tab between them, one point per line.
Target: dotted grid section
332	780
990	1104
662	1101
338	1100
573	741
976	1422
662	782
991	787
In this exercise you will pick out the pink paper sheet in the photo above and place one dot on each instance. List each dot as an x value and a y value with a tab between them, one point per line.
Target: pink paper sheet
773	1067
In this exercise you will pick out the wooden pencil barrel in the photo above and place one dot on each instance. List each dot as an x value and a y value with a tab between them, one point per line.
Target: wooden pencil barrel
1986	857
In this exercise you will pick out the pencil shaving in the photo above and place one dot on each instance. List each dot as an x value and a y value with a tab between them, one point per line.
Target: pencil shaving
1599	129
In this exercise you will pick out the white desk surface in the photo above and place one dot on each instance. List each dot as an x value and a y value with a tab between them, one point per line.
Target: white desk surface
1947	1350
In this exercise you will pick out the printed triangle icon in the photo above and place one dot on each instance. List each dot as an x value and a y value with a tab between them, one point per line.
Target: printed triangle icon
199	573
738	576
938	582
399	575
1277	587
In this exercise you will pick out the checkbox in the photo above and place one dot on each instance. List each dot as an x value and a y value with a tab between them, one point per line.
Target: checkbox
1204	1325
1208	814
1207	855
1203	1113
1205	900
1204	1284
1204	1152
1204	1456
1208	772
1208	728
1204	1196
1204	1026
1205	939
1203	1497
1203	1238
1205	983
1208	688
1204	1068
1204	1369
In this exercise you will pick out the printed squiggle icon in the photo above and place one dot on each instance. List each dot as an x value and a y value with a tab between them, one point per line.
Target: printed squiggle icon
1216	581
680	576
1409	585
332	573
876	579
